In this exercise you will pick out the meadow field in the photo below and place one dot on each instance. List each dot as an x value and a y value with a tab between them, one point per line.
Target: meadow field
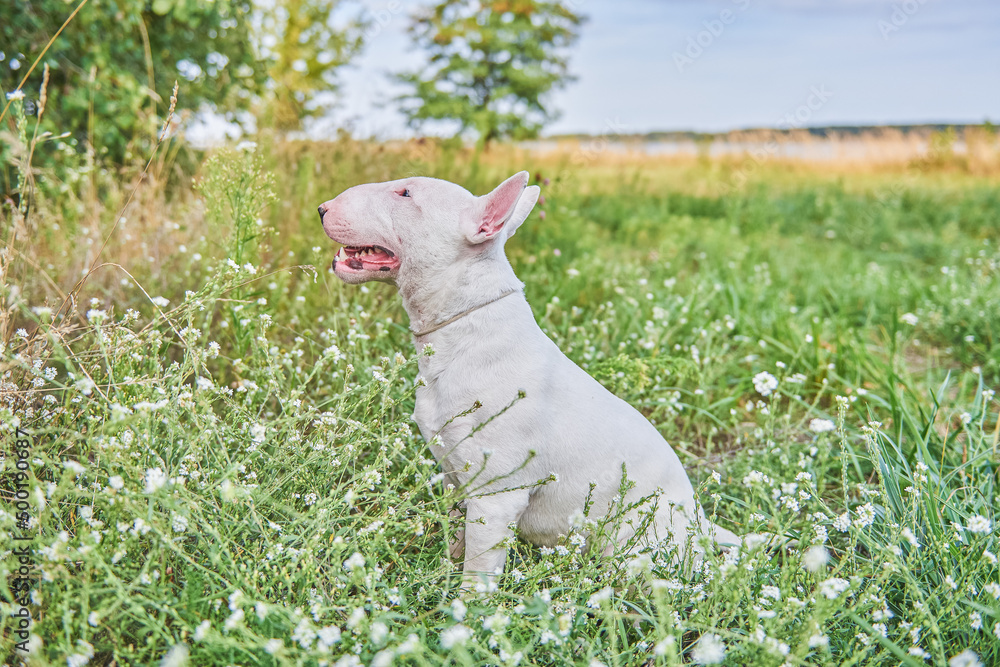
219	467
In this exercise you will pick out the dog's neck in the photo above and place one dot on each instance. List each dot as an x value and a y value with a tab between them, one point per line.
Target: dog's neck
431	296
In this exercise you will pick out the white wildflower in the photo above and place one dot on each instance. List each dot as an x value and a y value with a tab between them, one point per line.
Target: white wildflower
866	515
354	562
771	592
456	635
833	587
85	386
754	477
821	425
661	647
76	467
765	383
82	657
993	589
202	630
328	636
378	631
409	645
303	634
595	600
496	623
710	650
155	480
177	656
966	658
638	565
234	620
979	524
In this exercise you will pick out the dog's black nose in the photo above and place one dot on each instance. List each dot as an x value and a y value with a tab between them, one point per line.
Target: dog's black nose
322	212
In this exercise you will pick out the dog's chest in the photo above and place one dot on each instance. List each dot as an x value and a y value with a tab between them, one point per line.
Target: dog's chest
456	392
446	391
435	413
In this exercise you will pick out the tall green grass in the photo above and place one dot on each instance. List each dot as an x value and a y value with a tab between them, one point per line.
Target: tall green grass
225	470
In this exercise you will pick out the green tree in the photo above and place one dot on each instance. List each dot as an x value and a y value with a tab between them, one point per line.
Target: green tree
112	68
304	49
491	64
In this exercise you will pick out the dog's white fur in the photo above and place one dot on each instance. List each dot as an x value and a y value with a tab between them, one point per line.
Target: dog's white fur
450	250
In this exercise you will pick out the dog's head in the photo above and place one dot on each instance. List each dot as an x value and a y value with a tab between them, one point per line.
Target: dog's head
395	228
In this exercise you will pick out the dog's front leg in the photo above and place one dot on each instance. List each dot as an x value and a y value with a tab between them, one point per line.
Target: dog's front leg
456	548
488	523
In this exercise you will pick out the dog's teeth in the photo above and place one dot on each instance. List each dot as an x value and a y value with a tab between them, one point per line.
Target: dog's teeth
342	255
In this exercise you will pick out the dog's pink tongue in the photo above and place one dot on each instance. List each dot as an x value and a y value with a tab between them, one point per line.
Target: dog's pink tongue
377	259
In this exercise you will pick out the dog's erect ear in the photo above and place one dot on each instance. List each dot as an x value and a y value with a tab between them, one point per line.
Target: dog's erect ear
502	211
525	203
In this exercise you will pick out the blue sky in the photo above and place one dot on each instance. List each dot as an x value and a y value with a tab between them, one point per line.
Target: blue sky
831	62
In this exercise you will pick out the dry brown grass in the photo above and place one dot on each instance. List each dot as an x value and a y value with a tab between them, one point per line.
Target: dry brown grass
975	151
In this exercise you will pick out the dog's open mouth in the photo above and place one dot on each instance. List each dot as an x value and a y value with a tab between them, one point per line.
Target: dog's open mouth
366	258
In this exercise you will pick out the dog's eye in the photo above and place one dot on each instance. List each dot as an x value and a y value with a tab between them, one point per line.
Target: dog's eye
405	192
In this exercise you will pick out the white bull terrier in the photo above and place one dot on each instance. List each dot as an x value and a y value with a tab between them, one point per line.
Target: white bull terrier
530	461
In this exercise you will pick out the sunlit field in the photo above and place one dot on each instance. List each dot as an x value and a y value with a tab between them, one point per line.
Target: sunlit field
223	468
